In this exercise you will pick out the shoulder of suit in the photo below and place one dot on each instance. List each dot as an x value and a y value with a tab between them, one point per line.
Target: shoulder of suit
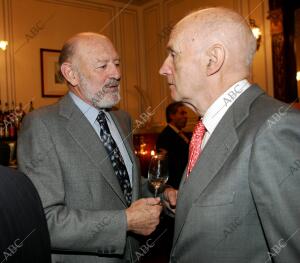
44	111
265	112
265	106
38	119
168	130
64	107
166	133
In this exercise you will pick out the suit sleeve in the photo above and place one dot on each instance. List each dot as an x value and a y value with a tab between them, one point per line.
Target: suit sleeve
102	232
275	184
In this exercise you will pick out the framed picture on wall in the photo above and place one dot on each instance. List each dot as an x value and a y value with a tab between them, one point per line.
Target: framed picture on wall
53	84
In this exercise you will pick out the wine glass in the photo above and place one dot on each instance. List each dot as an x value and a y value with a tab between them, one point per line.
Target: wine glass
158	172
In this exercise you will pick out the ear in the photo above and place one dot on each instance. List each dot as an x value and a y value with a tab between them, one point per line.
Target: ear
69	74
216	57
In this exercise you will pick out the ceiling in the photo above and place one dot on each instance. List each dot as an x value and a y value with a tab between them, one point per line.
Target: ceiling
134	2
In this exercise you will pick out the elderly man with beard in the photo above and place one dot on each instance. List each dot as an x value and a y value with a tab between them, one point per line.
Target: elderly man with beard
78	153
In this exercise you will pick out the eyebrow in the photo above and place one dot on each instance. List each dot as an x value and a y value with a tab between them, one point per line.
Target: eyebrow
106	60
170	49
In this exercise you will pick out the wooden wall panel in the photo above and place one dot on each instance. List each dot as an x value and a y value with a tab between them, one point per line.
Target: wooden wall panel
7	70
3	36
130	60
156	92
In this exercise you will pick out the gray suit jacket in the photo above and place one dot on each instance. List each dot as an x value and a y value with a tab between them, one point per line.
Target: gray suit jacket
85	208
241	203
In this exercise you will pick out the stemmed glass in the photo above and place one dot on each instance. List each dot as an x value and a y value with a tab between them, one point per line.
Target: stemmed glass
158	172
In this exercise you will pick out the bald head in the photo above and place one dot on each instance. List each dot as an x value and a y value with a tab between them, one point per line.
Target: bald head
223	26
74	45
209	51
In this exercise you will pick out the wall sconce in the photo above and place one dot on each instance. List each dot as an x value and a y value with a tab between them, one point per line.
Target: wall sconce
298	76
256	32
3	44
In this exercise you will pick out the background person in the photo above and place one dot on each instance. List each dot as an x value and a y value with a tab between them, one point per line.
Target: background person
175	142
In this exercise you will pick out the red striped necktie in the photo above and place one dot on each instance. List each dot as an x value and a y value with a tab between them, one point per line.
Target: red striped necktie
195	145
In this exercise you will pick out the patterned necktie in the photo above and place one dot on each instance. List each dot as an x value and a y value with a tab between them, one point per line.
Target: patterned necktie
115	157
195	145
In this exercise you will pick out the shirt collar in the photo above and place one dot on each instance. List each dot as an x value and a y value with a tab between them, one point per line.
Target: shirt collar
217	110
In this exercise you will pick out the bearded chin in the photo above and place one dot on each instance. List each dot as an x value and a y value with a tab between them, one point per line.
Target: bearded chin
107	101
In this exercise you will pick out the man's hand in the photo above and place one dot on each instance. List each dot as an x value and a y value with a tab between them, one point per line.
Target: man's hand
170	198
143	215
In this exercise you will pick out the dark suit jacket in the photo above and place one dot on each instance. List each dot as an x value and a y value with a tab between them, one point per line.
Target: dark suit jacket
85	207
241	202
24	234
178	151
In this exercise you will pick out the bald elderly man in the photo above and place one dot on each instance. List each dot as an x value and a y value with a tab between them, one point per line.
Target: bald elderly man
238	201
78	153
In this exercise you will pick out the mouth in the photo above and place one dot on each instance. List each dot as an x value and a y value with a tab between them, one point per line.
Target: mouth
114	87
111	88
172	86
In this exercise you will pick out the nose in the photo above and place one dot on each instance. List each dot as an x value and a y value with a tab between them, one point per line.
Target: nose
165	69
115	72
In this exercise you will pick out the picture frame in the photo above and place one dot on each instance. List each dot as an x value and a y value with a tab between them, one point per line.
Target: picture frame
53	84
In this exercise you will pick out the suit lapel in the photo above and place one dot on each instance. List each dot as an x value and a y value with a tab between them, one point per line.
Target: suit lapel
202	174
89	142
217	150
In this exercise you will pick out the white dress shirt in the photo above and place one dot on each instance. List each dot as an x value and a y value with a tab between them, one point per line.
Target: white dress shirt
217	110
91	114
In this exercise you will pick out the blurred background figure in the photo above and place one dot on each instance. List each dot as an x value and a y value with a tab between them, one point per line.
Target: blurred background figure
175	142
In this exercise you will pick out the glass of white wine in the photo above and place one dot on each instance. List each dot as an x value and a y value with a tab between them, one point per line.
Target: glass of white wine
158	172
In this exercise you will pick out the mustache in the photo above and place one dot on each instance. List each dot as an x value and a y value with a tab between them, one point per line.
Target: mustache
112	82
